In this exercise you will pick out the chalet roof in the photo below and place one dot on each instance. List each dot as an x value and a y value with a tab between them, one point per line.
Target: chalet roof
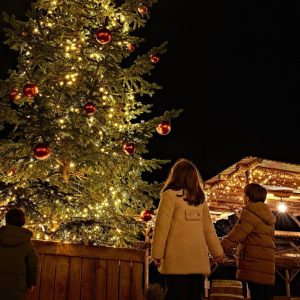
282	181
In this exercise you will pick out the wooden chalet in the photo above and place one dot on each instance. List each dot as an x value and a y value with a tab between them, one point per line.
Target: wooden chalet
282	181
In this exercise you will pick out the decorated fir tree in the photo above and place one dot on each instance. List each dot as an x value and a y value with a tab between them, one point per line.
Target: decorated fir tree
78	129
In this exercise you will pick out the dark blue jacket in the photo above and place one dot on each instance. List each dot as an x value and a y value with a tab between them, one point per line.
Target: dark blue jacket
18	262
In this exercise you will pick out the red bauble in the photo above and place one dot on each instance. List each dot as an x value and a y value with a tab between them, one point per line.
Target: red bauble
30	90
12	172
41	151
146	215
164	127
89	108
143	9
24	34
14	95
129	148
154	58
130	47
103	36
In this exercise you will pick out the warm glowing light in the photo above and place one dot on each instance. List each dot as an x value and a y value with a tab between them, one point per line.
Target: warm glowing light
282	207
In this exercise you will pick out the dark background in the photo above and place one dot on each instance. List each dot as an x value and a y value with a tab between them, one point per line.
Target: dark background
233	66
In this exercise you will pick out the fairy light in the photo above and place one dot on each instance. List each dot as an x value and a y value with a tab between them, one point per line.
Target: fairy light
95	55
126	28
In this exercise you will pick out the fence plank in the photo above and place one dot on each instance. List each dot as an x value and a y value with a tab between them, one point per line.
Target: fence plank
87	279
47	278
101	252
36	291
75	278
112	292
61	278
136	283
100	279
124	281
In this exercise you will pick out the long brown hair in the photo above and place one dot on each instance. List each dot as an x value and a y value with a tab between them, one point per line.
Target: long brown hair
185	175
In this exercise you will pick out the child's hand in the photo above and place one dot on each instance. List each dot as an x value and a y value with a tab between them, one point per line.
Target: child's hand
219	259
157	262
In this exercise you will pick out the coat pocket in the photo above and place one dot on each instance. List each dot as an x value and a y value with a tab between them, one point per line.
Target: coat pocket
193	215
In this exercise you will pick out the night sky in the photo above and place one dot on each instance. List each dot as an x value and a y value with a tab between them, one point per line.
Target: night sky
233	67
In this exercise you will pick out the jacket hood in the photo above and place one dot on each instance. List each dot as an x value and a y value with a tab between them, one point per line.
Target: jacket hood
262	211
12	236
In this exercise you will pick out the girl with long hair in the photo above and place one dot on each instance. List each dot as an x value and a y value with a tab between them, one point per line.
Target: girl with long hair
184	233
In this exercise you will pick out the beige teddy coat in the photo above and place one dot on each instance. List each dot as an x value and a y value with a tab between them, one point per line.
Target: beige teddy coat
183	236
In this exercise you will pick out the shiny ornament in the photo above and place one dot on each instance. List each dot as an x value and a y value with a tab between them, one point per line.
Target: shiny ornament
41	151
24	33
130	47
129	148
164	127
154	58
103	36
147	215
30	90
89	108
143	9
12	172
14	95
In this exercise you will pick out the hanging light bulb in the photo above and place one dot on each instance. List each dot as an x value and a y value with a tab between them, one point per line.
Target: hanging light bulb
281	206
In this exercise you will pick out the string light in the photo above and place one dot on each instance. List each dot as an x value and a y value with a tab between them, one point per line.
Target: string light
226	193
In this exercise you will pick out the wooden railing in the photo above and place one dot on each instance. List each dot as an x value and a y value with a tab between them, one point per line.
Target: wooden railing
78	272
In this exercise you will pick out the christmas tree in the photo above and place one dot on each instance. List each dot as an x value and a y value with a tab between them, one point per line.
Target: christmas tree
74	156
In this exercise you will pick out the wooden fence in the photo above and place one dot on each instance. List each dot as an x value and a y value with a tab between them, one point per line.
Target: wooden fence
78	272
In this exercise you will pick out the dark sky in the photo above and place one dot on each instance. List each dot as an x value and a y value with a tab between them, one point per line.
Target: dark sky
234	67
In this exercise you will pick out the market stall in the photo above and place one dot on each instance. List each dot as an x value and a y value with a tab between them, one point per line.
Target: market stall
282	181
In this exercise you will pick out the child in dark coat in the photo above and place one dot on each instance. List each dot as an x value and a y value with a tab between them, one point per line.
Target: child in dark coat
18	258
254	236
